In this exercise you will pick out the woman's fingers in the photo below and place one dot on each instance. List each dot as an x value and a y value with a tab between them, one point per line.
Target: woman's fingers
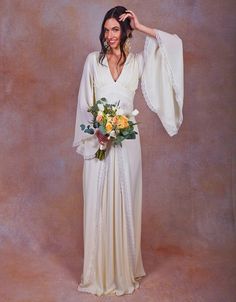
122	15
101	138
130	11
131	15
123	18
125	15
134	22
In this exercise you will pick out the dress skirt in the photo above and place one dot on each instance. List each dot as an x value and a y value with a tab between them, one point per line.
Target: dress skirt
112	221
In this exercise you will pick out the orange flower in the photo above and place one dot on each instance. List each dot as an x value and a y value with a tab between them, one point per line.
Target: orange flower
108	127
99	118
123	122
115	120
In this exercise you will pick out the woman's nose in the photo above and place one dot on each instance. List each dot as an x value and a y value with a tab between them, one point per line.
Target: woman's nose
110	34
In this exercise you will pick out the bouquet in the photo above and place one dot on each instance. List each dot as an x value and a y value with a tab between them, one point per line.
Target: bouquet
110	125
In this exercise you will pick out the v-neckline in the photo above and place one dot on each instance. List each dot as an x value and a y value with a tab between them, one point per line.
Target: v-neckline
109	70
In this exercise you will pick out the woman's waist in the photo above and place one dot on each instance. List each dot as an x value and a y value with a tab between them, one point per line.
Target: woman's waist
115	93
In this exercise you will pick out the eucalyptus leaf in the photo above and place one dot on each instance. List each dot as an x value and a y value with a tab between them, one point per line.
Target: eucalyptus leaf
125	132
102	129
131	136
89	131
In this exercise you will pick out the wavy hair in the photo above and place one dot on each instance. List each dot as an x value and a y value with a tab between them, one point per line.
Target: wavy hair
126	31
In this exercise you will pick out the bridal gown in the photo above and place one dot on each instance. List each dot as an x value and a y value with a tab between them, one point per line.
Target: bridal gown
112	188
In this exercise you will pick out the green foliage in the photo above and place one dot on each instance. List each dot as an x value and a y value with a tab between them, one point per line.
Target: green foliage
102	129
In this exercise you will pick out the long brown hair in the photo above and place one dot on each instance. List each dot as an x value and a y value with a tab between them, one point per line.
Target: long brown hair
126	31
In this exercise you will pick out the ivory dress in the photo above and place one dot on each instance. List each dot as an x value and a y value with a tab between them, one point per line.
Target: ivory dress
112	188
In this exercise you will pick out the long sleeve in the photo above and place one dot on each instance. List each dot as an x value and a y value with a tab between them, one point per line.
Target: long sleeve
162	79
86	144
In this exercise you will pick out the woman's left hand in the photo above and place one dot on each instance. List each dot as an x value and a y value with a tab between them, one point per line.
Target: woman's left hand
134	22
103	139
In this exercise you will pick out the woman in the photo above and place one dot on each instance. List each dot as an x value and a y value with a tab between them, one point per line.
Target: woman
112	187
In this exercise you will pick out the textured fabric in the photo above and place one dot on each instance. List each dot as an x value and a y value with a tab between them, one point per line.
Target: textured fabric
112	188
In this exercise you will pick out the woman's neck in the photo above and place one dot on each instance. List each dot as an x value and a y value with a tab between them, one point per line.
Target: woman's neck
116	53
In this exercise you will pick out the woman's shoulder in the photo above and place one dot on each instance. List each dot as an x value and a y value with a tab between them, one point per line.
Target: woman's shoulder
135	57
93	55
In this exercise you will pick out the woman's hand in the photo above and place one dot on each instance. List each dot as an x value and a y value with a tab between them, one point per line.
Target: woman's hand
103	139
134	22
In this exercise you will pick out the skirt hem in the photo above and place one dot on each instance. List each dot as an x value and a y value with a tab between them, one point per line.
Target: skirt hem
113	292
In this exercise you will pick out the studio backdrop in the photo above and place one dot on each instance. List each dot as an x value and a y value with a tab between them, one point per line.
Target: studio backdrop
188	179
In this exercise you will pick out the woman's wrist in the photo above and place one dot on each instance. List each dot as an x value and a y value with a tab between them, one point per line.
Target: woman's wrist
103	139
146	30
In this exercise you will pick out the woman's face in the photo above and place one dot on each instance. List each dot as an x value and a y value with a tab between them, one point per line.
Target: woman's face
112	33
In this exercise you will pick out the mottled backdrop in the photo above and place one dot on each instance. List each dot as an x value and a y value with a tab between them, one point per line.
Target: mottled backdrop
189	179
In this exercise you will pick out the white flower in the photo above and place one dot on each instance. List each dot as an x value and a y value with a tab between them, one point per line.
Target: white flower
101	107
135	112
113	133
120	111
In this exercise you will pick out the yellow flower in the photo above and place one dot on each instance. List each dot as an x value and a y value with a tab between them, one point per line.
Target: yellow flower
108	127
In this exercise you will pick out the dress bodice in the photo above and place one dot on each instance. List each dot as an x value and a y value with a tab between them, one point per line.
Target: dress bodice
159	67
123	89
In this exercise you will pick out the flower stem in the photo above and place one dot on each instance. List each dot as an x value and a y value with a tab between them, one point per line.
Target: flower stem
100	154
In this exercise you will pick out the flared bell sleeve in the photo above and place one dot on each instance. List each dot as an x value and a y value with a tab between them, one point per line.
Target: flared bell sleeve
86	144
162	78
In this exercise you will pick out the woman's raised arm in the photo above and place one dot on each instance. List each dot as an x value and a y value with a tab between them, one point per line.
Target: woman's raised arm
135	24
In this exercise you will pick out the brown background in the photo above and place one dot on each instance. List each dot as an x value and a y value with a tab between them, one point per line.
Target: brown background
189	207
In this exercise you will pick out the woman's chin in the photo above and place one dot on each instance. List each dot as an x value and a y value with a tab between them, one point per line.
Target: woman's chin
115	46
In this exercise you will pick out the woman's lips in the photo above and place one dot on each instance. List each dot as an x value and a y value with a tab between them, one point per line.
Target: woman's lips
112	41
